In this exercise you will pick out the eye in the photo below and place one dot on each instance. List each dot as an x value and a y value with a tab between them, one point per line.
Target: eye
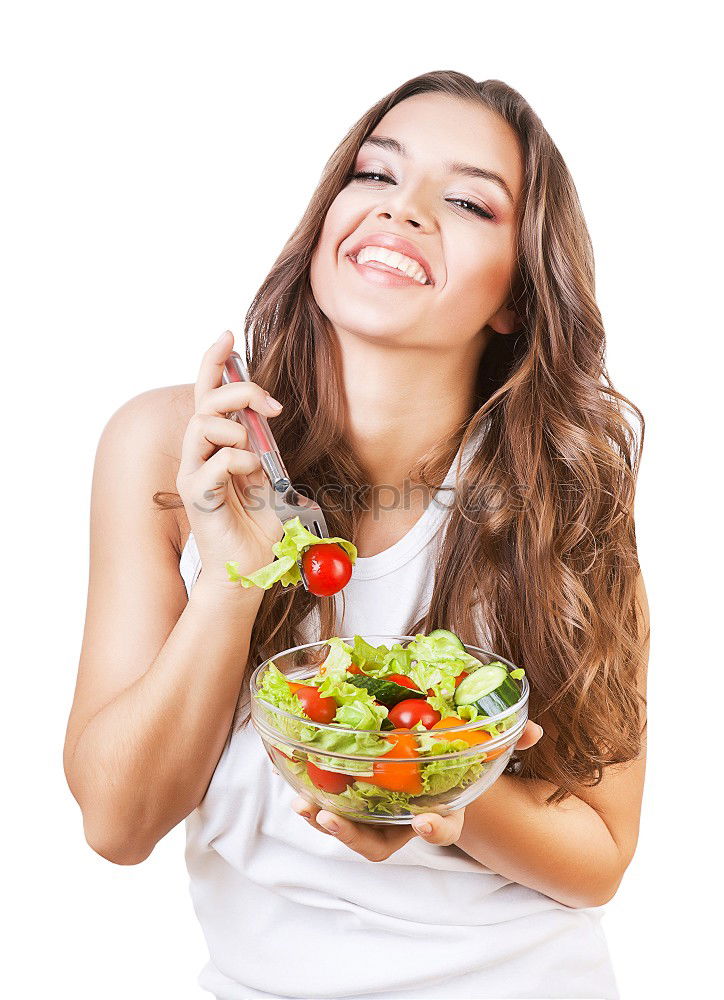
362	174
470	206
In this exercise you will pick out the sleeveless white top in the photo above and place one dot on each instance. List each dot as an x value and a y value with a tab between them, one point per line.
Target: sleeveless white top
289	912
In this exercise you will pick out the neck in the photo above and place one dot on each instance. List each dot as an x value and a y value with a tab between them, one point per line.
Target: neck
402	401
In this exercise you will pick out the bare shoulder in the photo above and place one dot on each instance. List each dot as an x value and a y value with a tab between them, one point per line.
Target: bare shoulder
154	423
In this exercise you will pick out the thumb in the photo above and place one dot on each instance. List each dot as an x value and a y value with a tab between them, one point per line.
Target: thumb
530	736
440	830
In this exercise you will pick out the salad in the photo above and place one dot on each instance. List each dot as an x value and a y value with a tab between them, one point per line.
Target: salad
326	562
391	707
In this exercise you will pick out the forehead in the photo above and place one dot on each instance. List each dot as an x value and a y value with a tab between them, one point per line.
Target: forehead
437	127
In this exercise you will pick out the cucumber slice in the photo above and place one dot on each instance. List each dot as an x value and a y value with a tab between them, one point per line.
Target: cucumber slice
490	688
442	633
387	693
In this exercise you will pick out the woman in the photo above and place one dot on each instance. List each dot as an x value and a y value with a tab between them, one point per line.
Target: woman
484	369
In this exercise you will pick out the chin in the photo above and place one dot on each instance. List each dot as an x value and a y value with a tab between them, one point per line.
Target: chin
381	333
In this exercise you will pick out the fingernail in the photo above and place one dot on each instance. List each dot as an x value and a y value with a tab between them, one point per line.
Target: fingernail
274	403
540	729
328	823
422	827
307	815
221	337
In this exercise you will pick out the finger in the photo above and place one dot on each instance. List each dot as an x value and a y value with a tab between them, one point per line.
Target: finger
440	830
373	844
308	811
212	365
224	399
207	488
204	435
227	461
530	736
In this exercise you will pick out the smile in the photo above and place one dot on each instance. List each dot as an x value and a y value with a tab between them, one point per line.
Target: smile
383	274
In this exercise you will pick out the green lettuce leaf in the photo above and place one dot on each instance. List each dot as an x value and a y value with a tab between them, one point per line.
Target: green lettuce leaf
441	702
366	797
362	796
337	663
357	708
274	690
288	549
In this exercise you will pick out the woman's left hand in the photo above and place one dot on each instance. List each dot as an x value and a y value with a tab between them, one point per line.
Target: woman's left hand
378	841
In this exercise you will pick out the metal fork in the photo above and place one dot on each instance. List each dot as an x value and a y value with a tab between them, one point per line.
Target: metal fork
287	502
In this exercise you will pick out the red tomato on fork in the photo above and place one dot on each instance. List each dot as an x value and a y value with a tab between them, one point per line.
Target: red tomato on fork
327	568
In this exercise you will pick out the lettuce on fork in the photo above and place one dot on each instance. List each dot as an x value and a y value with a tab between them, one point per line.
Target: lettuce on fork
288	549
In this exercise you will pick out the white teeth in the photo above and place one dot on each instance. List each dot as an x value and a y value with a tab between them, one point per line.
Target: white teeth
392	258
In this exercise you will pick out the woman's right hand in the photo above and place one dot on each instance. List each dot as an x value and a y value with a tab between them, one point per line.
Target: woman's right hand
220	480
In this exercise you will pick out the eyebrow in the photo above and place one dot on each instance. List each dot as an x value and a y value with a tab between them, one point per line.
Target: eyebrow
386	142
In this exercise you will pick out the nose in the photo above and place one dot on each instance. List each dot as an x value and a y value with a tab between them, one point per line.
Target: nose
405	204
393	215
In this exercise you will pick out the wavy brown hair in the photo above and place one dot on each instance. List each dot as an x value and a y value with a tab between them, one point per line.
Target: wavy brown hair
538	559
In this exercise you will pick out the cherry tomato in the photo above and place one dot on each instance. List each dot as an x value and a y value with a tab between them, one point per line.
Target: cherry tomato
317	708
327	568
406	714
403	776
329	781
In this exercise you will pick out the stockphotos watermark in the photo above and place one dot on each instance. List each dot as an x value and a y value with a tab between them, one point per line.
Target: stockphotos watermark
469	497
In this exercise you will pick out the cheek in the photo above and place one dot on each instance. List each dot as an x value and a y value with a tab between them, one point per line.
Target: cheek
339	224
484	270
328	245
325	261
477	283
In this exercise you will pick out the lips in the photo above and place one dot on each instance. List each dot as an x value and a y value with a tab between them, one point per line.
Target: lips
391	242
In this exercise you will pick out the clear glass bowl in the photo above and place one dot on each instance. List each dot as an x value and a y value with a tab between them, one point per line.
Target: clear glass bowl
349	784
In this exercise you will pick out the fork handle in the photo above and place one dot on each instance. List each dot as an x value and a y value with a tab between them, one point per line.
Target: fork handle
261	438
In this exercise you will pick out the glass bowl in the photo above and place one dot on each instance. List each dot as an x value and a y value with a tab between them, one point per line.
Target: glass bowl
397	784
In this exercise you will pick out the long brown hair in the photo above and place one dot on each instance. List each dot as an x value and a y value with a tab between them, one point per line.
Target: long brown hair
538	562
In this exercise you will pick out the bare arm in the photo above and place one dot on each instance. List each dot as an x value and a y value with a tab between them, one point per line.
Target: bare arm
158	678
564	851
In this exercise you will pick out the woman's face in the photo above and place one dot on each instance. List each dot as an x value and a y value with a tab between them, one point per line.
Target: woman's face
462	225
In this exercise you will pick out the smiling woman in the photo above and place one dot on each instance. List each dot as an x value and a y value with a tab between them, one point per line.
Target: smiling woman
452	216
430	323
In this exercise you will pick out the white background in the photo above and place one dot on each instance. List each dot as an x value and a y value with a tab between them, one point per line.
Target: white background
155	159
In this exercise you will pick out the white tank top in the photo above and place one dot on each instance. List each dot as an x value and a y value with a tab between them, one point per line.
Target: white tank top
289	912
